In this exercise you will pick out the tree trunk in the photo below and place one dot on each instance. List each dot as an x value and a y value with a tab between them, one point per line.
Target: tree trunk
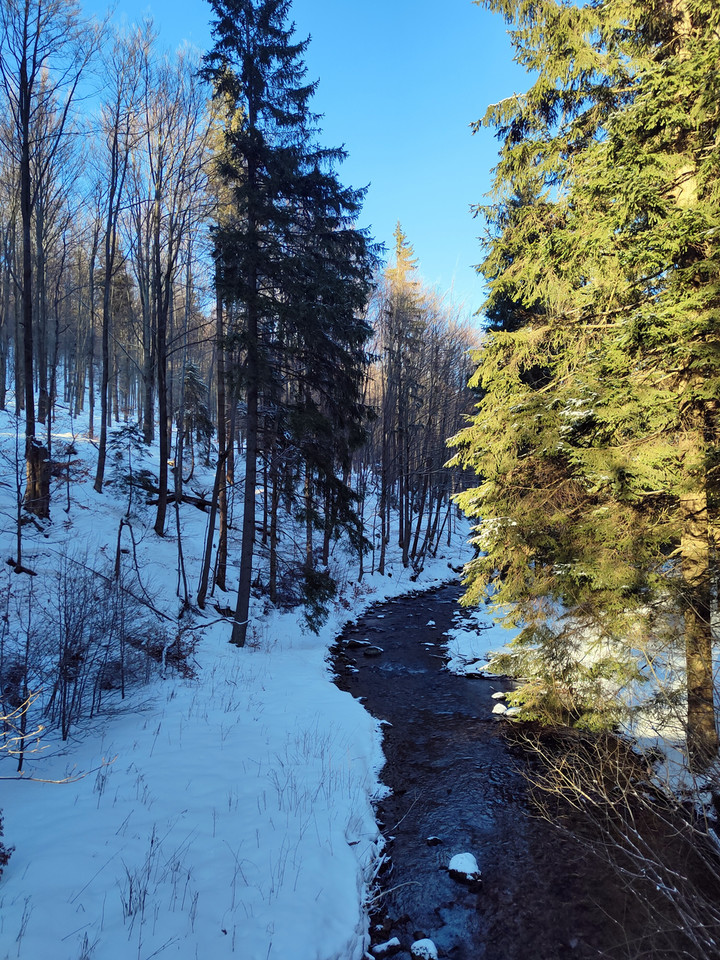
104	385
207	556
148	375
162	293
309	563
5	319
328	524
274	504
40	318
224	446
702	738
37	490
421	512
242	610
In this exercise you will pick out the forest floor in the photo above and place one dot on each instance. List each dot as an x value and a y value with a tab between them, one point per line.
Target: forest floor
216	811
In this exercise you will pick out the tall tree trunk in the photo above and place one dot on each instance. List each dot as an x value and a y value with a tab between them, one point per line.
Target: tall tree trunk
384	499
37	488
207	556
104	380
162	293
19	356
274	505
148	372
308	494
242	610
702	738
224	446
421	511
163	434
327	527
5	318
40	318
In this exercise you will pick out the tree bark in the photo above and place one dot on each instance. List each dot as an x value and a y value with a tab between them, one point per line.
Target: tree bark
242	610
224	446
702	738
37	489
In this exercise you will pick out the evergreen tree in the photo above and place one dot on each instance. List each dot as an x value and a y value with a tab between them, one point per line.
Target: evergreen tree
290	262
597	437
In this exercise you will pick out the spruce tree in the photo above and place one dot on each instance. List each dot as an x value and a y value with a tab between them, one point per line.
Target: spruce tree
290	262
597	437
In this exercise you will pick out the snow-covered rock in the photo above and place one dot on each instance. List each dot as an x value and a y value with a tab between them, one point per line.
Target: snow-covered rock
500	695
464	866
501	710
386	949
424	950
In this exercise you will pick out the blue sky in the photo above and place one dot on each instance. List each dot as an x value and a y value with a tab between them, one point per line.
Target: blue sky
400	81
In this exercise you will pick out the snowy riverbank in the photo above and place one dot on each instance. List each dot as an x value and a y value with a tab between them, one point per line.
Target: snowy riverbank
225	814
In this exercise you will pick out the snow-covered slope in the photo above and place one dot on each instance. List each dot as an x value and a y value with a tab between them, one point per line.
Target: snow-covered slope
220	815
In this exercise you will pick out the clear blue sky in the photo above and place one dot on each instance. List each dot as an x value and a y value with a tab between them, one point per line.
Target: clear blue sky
400	81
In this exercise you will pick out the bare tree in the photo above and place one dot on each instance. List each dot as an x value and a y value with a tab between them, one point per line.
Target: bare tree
418	385
169	184
45	48
124	94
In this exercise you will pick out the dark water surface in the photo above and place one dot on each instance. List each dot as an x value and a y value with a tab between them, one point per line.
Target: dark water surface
453	776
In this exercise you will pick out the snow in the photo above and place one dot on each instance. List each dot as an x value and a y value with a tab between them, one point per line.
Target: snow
228	814
464	865
473	640
384	949
423	950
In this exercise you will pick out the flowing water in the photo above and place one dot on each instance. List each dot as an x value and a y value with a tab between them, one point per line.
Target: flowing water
457	786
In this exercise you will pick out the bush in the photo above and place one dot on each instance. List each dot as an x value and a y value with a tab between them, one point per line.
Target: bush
86	646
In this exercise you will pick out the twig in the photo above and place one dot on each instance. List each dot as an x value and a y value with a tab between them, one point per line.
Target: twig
408	883
70	779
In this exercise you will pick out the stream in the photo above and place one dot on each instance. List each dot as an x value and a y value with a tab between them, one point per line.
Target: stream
456	786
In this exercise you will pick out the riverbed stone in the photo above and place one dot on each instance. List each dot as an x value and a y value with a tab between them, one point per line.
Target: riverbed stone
373	651
424	949
464	867
387	949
